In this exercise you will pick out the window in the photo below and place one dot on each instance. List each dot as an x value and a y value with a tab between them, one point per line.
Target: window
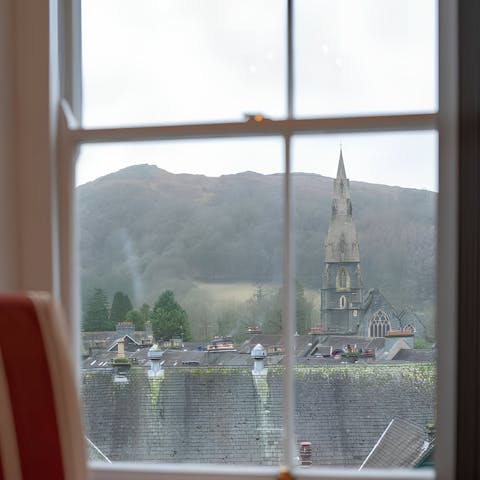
264	127
343	302
343	279
379	324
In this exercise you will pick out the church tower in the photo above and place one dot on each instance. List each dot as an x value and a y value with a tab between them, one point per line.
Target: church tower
341	293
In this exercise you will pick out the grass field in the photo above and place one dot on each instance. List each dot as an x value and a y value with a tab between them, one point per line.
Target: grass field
242	291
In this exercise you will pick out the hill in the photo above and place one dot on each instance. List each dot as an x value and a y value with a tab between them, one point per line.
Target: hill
143	229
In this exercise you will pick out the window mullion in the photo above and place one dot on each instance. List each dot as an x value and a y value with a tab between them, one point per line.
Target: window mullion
71	55
290	61
288	314
288	307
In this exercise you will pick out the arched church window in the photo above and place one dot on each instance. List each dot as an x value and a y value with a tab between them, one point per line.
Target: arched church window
343	279
379	324
343	302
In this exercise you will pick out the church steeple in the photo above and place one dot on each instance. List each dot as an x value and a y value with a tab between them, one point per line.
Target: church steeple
341	167
341	244
342	286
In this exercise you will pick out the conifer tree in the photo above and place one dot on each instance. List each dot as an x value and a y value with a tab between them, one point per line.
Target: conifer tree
121	305
168	318
96	314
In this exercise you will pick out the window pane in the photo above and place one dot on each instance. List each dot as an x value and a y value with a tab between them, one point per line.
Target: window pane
182	61
365	220
365	56
181	260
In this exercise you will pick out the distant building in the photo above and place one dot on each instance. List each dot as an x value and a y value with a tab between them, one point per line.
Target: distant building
346	307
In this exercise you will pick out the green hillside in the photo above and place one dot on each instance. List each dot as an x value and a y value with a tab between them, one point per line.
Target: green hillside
143	230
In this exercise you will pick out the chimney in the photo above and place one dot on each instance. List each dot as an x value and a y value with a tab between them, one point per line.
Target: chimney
121	363
148	330
125	328
155	356
259	354
121	348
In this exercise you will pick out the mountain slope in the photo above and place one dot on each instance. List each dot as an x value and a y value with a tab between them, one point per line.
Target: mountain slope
143	229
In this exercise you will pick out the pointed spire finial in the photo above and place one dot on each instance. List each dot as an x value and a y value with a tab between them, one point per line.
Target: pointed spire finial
341	167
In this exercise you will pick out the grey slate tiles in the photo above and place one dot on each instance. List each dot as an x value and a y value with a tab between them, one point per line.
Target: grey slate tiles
226	415
402	445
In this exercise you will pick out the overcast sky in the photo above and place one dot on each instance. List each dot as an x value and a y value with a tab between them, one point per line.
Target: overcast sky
177	61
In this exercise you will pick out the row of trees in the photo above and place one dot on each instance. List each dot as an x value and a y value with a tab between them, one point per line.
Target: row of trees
168	318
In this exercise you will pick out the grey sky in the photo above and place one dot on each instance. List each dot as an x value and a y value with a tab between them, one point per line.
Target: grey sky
175	61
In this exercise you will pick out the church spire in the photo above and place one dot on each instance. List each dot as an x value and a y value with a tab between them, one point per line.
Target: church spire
341	167
341	244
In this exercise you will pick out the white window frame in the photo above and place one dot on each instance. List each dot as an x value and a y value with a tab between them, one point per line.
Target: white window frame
45	179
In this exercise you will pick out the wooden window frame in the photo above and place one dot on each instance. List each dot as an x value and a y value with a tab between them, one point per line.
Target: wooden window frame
47	34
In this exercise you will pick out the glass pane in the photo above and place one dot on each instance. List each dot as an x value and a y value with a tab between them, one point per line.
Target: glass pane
365	56
182	61
365	221
181	273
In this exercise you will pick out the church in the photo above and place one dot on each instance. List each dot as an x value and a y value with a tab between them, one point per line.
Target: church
347	307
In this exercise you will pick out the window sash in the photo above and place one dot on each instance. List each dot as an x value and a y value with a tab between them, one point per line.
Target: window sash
283	128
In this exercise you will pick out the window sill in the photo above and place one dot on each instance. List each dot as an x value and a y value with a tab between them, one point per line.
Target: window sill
130	471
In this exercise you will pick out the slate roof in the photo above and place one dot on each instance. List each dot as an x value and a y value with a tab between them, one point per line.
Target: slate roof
338	341
402	445
130	343
94	454
95	341
318	360
303	343
100	359
415	355
228	415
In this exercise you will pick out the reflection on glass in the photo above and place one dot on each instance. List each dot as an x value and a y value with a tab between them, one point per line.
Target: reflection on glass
365	56
365	299
182	61
181	276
